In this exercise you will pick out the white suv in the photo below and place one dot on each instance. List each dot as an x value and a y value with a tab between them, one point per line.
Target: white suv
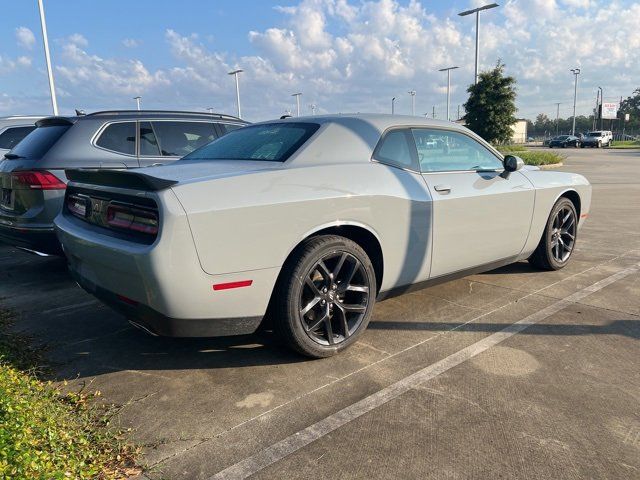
13	129
599	139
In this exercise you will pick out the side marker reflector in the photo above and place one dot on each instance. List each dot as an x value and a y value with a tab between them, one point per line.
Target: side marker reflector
229	285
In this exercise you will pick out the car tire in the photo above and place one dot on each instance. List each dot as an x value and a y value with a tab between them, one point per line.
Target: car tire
314	313
559	238
599	144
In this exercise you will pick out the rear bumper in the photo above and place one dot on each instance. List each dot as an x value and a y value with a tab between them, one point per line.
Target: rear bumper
41	240
158	324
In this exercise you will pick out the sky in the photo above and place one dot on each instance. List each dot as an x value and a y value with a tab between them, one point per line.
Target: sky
343	55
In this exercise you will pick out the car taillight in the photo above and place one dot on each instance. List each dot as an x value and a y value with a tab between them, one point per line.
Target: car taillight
131	218
38	180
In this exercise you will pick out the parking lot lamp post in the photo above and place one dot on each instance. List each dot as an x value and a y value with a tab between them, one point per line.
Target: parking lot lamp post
45	41
576	72
413	101
448	70
557	117
235	74
137	99
313	108
477	12
297	95
600	107
393	105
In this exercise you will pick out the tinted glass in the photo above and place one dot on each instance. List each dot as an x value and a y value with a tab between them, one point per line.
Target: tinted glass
228	127
395	149
273	142
37	143
12	136
148	142
177	139
445	151
119	137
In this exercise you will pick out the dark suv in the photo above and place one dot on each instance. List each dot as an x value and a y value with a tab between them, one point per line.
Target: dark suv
32	174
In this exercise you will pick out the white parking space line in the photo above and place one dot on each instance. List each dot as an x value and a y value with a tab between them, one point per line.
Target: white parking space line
300	439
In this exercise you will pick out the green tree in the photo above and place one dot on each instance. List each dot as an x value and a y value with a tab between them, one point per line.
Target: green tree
491	105
631	106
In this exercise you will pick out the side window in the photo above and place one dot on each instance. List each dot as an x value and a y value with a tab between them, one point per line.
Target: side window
12	136
119	137
148	142
395	149
446	151
176	139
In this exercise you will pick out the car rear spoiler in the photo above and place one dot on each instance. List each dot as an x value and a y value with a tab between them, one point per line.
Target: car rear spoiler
51	121
119	178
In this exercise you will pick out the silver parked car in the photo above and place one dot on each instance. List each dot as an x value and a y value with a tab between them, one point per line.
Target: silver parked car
309	221
13	129
32	178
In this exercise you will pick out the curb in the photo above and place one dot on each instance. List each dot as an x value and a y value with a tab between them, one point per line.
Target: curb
549	167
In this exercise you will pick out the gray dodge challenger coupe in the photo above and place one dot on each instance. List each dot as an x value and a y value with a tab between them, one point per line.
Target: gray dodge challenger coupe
307	221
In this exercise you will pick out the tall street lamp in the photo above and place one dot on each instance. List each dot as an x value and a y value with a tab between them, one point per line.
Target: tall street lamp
45	40
448	70
393	105
137	99
297	95
235	74
413	101
576	72
313	107
600	107
477	12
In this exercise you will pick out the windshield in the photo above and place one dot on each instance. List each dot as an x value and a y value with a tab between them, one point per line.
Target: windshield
37	143
274	142
562	137
595	134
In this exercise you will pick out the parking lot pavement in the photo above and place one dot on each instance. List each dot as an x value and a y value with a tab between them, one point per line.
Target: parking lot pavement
514	373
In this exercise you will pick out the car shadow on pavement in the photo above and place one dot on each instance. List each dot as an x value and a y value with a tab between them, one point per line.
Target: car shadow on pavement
627	328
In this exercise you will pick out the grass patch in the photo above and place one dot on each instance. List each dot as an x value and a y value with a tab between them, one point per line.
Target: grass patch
48	434
532	157
625	144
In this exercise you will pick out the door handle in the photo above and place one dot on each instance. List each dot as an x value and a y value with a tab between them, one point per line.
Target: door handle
442	188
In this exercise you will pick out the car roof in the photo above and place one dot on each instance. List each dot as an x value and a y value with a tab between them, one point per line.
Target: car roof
136	114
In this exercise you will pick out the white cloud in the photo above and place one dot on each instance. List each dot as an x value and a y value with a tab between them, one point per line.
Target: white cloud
130	42
25	37
78	39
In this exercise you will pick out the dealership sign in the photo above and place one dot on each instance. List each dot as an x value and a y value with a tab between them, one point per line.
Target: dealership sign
609	110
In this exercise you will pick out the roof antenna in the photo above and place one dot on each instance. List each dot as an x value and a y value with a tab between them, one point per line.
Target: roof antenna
80	112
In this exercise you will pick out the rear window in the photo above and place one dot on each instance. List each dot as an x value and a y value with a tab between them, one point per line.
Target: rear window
274	142
38	142
119	137
12	136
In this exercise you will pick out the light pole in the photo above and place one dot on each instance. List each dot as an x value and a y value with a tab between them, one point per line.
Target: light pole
393	105
477	12
137	99
600	107
313	108
413	101
235	74
210	109
45	40
557	116
576	72
448	70
297	95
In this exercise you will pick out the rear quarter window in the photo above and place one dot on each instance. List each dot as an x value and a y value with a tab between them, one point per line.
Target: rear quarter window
119	137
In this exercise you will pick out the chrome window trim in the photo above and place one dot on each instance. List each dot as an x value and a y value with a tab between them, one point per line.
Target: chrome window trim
101	130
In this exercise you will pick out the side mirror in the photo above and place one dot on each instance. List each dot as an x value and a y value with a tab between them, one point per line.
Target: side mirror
511	164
